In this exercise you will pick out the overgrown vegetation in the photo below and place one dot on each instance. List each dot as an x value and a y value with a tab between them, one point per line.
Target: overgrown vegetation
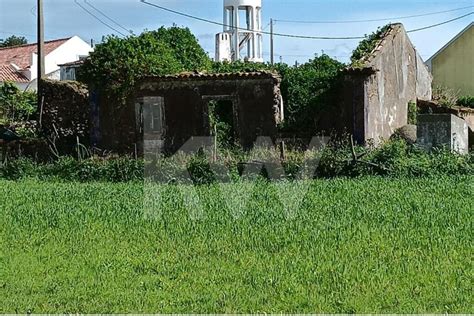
449	98
115	65
445	97
395	158
306	89
466	101
71	169
412	113
16	105
368	245
221	119
367	45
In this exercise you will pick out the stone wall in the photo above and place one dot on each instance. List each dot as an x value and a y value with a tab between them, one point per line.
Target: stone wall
255	97
66	112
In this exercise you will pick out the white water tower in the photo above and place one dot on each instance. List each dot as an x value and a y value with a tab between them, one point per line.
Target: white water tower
242	37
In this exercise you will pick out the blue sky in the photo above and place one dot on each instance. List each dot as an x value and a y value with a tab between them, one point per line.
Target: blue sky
64	18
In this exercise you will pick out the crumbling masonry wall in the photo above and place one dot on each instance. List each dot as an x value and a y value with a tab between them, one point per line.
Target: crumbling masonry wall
65	111
393	75
184	98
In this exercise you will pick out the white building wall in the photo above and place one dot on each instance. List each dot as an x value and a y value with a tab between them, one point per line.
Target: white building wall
68	52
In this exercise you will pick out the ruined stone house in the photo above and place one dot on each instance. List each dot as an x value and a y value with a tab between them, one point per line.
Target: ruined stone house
166	111
376	93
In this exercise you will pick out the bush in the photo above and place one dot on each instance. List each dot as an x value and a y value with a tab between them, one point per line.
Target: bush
395	158
200	170
306	89
445	97
16	105
19	169
367	45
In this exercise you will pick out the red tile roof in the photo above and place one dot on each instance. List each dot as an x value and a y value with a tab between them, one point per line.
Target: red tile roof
21	55
8	73
224	76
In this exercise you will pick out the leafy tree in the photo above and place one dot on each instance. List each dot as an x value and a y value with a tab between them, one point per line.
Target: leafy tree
16	105
13	41
306	89
185	47
118	63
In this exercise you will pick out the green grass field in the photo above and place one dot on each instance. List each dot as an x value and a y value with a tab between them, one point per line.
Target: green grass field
369	245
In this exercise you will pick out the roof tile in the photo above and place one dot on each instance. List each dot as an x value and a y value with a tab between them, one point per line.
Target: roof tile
198	75
21	55
8	73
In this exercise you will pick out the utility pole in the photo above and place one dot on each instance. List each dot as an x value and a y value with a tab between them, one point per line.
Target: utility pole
40	54
40	41
271	42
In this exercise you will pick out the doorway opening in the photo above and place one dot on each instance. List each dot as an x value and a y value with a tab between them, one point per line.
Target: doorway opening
222	123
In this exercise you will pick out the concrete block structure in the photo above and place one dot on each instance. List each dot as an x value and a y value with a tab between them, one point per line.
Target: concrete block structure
443	130
467	114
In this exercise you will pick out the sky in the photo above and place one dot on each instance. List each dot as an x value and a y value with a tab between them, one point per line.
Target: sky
64	18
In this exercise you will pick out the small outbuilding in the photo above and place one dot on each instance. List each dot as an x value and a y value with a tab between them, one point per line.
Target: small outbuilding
168	110
376	90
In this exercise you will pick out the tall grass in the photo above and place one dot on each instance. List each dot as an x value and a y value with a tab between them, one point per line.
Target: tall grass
395	158
368	245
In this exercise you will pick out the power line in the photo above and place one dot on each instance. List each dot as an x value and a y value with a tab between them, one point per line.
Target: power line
266	27
108	17
294	35
262	32
442	23
374	20
98	19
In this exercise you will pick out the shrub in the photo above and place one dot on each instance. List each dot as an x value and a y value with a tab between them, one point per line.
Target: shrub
444	96
395	158
70	169
367	45
200	170
20	168
16	105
